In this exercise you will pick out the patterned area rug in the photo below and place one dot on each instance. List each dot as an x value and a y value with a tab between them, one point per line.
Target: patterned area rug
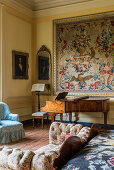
97	155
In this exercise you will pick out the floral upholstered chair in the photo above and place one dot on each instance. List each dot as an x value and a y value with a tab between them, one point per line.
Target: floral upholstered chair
10	128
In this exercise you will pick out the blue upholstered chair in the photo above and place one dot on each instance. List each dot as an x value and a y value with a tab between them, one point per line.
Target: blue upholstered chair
10	128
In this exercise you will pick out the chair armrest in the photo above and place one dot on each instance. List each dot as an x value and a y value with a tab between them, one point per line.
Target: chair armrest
13	117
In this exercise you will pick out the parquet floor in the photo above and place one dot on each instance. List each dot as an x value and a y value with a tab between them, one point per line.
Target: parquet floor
35	138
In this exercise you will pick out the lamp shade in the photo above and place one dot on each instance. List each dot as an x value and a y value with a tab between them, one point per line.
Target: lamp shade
38	87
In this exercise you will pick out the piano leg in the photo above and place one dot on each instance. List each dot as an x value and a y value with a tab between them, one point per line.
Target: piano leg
52	116
76	116
105	119
70	116
61	117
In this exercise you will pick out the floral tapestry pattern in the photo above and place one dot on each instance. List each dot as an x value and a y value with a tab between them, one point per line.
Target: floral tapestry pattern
85	56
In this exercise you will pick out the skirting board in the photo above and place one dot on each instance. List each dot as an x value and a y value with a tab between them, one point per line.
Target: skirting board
110	126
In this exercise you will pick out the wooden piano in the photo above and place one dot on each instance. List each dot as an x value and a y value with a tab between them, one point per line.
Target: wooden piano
81	104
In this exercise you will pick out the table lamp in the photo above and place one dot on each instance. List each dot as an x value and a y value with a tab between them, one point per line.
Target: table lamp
38	88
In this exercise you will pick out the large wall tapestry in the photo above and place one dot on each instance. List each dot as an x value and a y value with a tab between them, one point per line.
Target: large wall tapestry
84	55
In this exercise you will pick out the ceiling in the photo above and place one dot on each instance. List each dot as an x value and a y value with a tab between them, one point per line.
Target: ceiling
36	5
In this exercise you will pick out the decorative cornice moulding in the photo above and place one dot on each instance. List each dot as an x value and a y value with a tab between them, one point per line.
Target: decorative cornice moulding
52	8
37	5
95	6
17	6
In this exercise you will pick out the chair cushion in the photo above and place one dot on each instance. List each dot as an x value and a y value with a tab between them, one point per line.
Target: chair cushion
39	114
10	123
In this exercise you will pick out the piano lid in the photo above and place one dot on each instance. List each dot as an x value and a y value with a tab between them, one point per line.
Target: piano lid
61	95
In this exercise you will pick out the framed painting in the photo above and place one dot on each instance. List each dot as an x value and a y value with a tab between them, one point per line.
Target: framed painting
19	65
44	68
84	55
43	65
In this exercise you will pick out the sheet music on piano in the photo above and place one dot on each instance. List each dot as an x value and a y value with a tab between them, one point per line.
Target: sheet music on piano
62	96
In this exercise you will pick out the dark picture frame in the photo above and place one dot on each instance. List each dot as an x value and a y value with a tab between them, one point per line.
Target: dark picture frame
43	65
19	65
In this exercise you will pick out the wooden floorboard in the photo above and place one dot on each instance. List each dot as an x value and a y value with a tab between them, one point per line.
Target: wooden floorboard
35	138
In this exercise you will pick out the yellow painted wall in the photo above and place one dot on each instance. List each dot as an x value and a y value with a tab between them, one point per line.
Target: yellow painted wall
17	35
44	36
27	34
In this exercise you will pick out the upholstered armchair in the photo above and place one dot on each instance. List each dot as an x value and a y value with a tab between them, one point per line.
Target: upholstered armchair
10	128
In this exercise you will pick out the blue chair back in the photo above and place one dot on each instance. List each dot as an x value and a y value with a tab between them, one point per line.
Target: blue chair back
4	111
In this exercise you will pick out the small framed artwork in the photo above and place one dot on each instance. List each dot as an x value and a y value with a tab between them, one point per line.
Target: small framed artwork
43	63
19	65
